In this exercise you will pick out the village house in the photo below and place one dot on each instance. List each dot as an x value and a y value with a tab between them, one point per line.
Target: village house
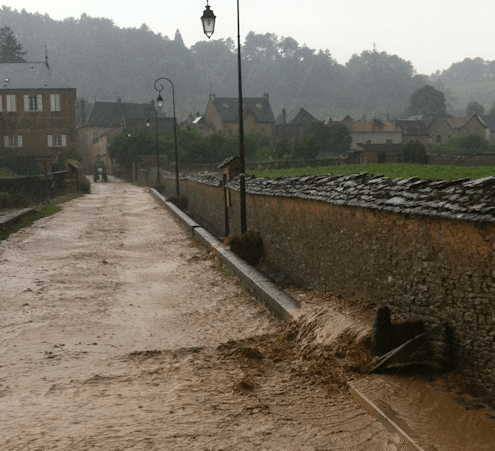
413	130
108	120
442	129
293	125
489	121
469	125
37	113
372	132
222	116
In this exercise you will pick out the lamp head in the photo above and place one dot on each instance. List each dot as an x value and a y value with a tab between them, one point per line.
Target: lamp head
159	101
208	20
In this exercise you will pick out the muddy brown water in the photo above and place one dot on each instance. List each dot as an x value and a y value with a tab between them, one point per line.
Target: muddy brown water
117	332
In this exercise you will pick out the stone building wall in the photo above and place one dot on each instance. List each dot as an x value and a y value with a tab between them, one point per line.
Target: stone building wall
426	249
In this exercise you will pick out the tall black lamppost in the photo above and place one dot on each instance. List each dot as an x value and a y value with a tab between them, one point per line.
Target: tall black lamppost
159	102
148	112
208	20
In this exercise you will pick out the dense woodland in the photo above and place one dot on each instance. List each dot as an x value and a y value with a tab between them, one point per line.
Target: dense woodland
105	62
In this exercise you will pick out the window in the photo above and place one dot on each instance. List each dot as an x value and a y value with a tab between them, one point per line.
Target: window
439	138
57	141
11	106
12	141
55	102
33	103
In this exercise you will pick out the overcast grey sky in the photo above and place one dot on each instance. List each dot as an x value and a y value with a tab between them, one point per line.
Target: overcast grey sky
432	34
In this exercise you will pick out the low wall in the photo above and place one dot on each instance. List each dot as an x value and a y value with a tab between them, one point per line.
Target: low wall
426	249
462	160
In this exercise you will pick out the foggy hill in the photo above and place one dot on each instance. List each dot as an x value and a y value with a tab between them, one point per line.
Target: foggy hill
104	62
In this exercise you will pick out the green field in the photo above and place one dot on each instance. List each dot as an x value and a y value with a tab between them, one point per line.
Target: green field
389	170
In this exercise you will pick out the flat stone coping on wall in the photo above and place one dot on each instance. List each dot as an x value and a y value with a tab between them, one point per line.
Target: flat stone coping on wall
460	199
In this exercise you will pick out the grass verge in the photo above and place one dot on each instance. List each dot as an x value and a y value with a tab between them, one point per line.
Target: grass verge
392	171
46	210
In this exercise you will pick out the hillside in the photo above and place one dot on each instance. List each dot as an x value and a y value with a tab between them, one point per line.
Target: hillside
104	62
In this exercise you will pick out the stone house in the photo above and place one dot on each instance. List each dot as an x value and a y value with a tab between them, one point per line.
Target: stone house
108	120
293	125
222	116
440	131
372	132
469	125
489	121
413	130
37	113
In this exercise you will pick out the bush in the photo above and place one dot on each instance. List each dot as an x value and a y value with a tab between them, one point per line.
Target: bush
415	152
248	246
6	200
85	185
180	202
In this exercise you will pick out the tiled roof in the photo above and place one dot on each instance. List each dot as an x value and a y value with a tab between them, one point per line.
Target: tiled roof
374	127
228	108
303	118
113	114
459	122
412	128
31	76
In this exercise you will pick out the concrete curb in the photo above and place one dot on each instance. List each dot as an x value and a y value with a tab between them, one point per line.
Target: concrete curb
14	218
278	302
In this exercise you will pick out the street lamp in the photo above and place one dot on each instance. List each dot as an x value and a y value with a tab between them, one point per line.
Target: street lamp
208	20
159	102
148	124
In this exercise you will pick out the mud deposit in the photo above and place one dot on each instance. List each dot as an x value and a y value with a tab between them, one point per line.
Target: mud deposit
117	332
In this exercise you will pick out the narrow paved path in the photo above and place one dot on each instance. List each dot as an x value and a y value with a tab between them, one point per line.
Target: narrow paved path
117	332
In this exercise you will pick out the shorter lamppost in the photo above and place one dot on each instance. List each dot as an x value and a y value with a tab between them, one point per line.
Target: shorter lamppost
147	113
159	102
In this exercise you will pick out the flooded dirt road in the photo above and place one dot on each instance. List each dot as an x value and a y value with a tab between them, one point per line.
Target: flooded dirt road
118	333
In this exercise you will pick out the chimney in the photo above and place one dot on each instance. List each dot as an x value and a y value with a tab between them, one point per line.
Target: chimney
83	112
265	96
119	100
284	117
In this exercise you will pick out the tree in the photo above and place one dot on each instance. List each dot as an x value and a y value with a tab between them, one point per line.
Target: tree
306	148
475	108
427	101
341	139
469	144
415	152
10	49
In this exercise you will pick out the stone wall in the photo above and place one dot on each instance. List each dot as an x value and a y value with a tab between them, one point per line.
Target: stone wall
426	249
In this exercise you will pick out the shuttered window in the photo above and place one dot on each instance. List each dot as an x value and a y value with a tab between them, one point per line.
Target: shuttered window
33	103
11	106
12	141
57	141
55	102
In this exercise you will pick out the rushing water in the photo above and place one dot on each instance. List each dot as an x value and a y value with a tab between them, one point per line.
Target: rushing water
430	416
